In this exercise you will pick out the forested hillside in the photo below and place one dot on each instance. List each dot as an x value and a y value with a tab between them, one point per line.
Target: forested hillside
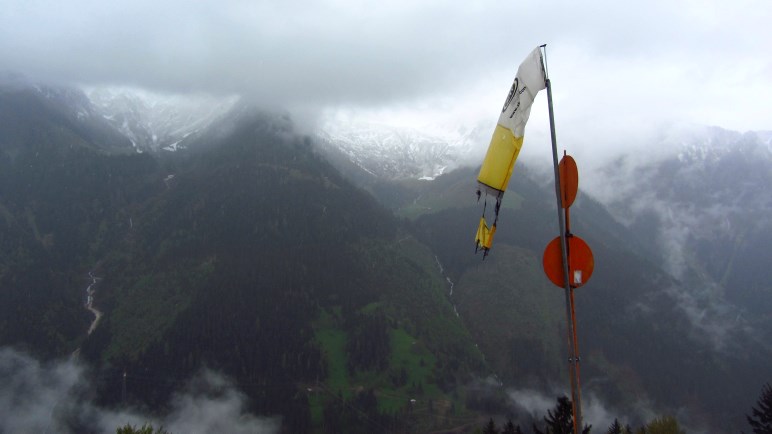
61	199
249	255
337	303
638	338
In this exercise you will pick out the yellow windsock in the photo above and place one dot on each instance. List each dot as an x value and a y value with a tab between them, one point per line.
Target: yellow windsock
508	136
484	237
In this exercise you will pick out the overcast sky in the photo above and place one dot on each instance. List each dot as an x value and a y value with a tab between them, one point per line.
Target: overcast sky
618	68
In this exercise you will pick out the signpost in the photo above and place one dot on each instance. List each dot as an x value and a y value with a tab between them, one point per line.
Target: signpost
568	261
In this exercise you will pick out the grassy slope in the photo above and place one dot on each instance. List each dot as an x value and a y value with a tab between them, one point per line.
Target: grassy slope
525	330
431	352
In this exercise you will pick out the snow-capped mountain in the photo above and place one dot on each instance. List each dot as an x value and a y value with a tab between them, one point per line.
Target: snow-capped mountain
154	122
69	102
392	152
125	119
704	208
697	198
66	110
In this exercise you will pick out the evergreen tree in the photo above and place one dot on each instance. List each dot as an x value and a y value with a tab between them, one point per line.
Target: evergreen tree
615	428
146	429
663	425
511	428
761	420
490	427
561	421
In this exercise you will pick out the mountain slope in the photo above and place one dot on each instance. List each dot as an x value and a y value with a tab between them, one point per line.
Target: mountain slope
704	207
638	338
34	114
390	152
247	254
158	122
60	193
255	261
685	246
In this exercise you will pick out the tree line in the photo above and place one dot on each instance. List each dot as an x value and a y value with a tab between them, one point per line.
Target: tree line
560	420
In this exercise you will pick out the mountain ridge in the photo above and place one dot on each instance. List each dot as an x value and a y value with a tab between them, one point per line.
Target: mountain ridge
190	262
256	259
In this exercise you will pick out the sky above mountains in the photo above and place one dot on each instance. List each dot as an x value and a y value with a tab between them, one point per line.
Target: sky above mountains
619	69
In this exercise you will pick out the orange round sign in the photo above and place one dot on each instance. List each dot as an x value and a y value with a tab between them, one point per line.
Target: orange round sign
580	262
569	180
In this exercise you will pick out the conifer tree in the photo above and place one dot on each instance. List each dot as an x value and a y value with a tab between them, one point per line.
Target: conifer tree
561	421
761	420
511	428
145	429
663	425
490	427
615	428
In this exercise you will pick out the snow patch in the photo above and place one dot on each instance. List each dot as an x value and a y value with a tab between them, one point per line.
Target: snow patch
155	121
400	151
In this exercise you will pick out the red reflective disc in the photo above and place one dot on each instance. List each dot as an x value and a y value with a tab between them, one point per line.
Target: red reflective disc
569	180
580	262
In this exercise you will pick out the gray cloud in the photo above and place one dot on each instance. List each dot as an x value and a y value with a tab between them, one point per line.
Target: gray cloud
537	403
285	50
595	411
632	63
33	395
53	397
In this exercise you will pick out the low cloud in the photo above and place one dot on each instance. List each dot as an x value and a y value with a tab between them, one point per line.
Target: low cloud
614	67
595	412
53	397
534	402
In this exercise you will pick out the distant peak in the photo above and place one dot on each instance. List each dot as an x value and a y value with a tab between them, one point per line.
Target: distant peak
401	151
158	121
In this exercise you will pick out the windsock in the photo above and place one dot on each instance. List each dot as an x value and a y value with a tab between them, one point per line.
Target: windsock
507	140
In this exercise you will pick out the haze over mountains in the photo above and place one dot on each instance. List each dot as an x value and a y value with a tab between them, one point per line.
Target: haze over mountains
155	122
331	273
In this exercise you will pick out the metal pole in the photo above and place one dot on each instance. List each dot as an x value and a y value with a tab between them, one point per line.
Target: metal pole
575	398
577	363
575	340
